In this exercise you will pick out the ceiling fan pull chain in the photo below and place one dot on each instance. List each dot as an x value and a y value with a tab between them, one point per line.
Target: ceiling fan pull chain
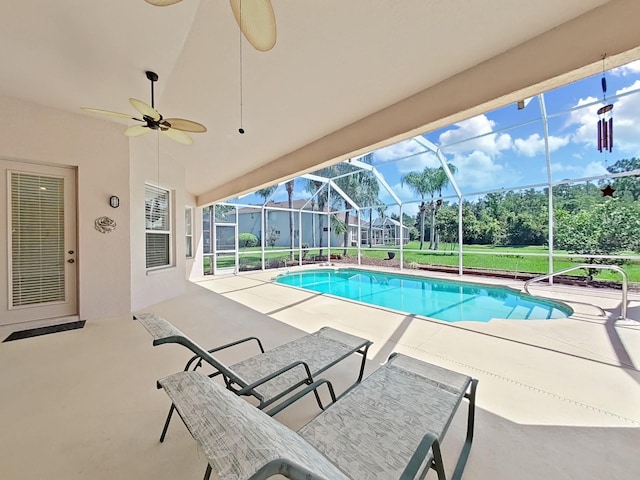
241	129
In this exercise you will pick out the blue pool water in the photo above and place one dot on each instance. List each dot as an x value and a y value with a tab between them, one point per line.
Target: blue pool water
446	300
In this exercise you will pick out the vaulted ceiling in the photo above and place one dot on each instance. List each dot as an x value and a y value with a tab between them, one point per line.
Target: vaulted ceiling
343	77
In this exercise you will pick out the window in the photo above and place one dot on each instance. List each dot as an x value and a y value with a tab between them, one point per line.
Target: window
157	226
188	229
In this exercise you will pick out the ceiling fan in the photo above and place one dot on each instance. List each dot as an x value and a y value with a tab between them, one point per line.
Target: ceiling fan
255	17
174	128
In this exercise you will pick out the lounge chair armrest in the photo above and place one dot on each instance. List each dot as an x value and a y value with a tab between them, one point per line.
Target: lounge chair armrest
222	347
416	463
306	390
238	342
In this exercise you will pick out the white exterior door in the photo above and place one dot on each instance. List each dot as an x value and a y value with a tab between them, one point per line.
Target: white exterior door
38	269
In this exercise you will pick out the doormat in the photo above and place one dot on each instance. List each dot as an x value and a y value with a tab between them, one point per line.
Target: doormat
36	332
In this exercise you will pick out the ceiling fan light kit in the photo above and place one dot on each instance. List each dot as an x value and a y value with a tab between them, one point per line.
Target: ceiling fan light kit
174	128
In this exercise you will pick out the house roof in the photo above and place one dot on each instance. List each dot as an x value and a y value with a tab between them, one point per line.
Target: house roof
343	77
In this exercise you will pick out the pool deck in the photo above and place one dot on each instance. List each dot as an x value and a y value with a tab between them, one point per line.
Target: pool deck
557	399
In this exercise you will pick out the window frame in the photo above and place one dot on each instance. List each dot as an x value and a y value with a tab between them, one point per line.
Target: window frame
168	211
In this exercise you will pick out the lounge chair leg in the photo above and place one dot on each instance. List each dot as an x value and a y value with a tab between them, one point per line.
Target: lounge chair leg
364	359
315	392
207	473
462	460
437	464
166	423
428	442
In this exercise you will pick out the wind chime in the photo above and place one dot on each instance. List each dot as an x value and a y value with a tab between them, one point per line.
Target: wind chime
605	127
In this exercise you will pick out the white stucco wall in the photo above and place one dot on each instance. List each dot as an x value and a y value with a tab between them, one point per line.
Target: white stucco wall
100	152
150	287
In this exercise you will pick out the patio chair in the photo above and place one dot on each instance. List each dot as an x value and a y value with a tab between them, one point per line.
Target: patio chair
270	375
389	426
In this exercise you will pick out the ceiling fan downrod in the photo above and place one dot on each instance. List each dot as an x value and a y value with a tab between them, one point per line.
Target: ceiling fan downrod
153	76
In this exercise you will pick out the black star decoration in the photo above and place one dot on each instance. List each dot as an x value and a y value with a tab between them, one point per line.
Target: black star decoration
608	191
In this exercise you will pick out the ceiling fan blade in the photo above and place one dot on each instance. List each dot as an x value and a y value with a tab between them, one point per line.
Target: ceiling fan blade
162	3
144	109
136	131
185	125
178	136
107	112
258	23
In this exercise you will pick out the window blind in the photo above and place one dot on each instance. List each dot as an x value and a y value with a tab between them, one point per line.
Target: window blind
37	239
158	226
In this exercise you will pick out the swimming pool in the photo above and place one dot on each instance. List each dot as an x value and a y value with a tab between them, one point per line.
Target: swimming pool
447	300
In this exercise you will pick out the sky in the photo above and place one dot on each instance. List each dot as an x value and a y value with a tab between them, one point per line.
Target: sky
514	156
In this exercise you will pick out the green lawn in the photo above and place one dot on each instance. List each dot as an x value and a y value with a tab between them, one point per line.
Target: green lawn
476	256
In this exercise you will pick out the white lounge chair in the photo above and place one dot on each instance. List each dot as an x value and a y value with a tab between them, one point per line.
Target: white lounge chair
388	426
271	375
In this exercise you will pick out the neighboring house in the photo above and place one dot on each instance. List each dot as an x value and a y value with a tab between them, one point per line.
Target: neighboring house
278	233
385	231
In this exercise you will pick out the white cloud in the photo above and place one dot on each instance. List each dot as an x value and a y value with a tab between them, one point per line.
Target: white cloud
626	124
412	155
478	171
592	169
628	69
534	145
490	145
626	121
586	119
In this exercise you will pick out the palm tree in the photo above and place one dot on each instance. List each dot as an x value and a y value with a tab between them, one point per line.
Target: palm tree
369	188
289	185
315	188
349	184
421	184
265	193
440	182
382	210
362	187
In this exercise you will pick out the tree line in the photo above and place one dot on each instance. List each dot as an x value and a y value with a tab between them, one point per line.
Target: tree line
586	222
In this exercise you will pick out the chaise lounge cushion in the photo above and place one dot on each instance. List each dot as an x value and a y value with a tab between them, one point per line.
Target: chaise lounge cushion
373	430
241	442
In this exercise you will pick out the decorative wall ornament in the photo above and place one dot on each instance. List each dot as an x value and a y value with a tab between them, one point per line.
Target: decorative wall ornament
105	224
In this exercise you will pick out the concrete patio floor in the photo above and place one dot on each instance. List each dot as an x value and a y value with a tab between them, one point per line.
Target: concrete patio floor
557	399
